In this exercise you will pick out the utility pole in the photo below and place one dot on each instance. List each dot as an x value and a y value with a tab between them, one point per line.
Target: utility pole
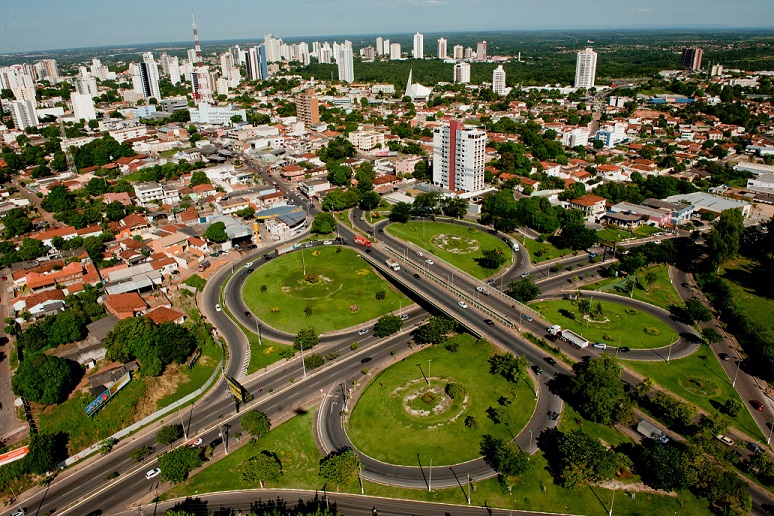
430	477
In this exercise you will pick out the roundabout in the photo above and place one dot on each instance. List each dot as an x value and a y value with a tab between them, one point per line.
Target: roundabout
442	415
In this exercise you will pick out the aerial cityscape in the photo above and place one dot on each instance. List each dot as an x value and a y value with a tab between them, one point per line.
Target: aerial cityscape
403	257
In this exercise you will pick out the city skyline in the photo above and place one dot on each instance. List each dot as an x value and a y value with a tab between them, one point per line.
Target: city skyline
44	25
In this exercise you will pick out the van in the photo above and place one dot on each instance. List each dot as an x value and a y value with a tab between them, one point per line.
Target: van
515	246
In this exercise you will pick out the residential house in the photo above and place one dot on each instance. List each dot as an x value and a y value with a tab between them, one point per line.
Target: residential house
126	305
592	206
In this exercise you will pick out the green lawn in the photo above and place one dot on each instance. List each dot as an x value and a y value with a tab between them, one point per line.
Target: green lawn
636	330
661	293
751	285
572	420
430	423
458	245
342	294
618	235
343	217
543	251
700	379
192	379
294	443
70	417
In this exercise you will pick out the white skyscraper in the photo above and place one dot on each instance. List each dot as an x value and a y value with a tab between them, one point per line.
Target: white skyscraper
191	55
442	48
85	83
419	46
498	80
149	77
174	70
200	85
24	114
459	52
346	67
379	46
386	47
83	106
458	157
462	73
395	51
586	69
273	53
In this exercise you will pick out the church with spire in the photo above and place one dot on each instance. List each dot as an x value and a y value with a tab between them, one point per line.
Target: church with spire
415	91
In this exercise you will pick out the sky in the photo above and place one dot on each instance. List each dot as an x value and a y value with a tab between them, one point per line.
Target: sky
28	25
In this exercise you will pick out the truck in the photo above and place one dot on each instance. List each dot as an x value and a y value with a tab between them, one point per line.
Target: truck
649	431
554	330
279	251
361	240
574	339
392	264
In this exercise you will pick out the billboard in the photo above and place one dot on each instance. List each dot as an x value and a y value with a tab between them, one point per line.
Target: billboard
13	455
194	358
97	404
239	392
120	384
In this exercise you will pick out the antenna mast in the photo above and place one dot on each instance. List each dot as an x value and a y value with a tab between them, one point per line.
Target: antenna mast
197	48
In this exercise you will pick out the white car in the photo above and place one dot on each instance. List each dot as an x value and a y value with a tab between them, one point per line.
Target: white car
19	512
153	473
524	275
462	304
362	331
249	264
218	308
429	261
197	442
362	218
600	345
404	317
327	242
657	242
483	290
419	253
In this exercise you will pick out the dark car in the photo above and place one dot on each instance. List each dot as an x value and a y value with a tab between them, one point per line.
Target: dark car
267	257
550	361
624	349
215	442
724	356
489	322
252	246
526	317
757	405
368	251
248	313
537	369
366	360
381	231
417	276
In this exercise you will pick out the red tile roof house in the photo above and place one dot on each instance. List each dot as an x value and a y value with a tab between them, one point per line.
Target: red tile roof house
592	206
39	305
163	314
124	306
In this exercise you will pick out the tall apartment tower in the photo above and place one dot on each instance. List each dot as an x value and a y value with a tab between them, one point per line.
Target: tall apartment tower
442	48
253	64
462	73
200	85
386	47
47	69
586	69
498	80
307	110
459	52
379	46
24	114
346	66
85	84
458	157
395	51
149	77
481	51
419	46
691	58
83	106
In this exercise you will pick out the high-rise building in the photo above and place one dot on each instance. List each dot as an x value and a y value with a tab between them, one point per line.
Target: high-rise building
367	53
379	46
252	62
326	53
419	46
462	73
191	55
200	85
586	69
386	47
468	53
174	70
24	114
481	51
197	48
458	157
691	58
459	52
395	51
149	77
47	70
83	106
442	48
272	45
498	80
85	84
346	66
306	108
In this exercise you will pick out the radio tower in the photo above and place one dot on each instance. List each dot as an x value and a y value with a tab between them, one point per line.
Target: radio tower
197	48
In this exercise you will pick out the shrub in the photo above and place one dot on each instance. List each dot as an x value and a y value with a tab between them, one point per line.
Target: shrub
380	295
313	361
264	288
453	347
470	422
455	391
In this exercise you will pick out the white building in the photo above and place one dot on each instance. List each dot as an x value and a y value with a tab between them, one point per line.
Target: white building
442	48
216	115
148	192
586	69
575	137
24	114
395	51
462	73
346	66
148	83
386	47
83	106
459	52
366	141
419	46
498	80
85	84
200	84
379	46
458	157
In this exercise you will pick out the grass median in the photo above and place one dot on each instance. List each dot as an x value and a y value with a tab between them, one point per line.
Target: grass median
661	292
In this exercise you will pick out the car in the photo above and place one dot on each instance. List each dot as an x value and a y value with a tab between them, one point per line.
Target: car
249	264
757	405
248	314
267	257
624	349
524	275
152	473
214	255
462	304
429	261
250	270
218	308
599	345
754	447
549	361
483	290
724	356
537	369
404	317
657	242
197	442
725	440
19	512
489	322
419	253
252	246
366	360
592	255
381	231
362	331
215	442
685	285
368	251
370	232
624	252
327	242
362	218
307	245
526	317
417	276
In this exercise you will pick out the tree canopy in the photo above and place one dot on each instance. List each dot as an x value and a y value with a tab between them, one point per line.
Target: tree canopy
153	345
216	232
256	423
597	389
45	379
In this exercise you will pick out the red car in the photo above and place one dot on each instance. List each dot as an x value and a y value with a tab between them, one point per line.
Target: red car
757	405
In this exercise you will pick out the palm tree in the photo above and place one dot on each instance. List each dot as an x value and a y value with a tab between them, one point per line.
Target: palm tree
584	306
650	278
598	311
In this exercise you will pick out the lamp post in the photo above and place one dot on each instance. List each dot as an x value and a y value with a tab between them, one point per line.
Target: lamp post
738	363
771	429
428	370
303	364
260	343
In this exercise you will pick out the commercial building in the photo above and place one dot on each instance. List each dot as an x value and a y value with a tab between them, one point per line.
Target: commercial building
458	157
148	77
217	115
706	202
419	46
346	66
462	73
442	50
83	106
691	58
24	114
586	69
498	80
307	110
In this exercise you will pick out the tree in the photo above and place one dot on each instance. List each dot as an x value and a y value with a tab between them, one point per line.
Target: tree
139	454
583	459
666	467
95	248
308	338
387	325
507	459
216	232
524	290
264	467
696	310
246	213
454	207
30	249
16	223
324	223
435	330
175	465
732	407
168	434
725	236
491	259
45	452
508	366
370	200
199	177
650	278
44	379
584	307
256	423
340	467
597	388
400	212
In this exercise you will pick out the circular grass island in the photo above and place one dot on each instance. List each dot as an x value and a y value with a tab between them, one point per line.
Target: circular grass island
457	244
338	290
399	415
635	329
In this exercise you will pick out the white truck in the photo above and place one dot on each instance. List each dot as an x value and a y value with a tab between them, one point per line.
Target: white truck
392	264
651	432
554	330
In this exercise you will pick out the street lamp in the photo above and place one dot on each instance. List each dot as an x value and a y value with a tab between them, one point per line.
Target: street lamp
303	364
428	370
259	325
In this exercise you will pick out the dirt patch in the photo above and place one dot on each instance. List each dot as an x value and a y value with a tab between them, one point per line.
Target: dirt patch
457	244
156	388
635	486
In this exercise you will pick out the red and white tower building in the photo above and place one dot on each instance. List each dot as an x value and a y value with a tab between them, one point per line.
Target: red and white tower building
458	157
197	48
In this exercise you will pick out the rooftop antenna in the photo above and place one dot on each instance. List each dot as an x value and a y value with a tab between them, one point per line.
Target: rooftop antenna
197	48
